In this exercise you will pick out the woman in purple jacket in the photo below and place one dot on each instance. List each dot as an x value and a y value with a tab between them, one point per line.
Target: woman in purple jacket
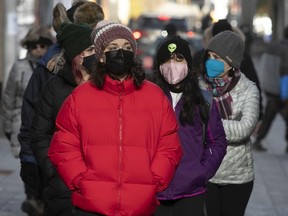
200	129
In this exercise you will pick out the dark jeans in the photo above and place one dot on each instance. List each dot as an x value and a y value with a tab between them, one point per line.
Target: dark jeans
182	207
80	212
274	106
227	200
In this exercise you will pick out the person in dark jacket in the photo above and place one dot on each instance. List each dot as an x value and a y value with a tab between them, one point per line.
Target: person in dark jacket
75	40
274	82
116	142
85	12
201	131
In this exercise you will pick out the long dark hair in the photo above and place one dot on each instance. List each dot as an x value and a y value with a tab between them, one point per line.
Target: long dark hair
98	74
192	96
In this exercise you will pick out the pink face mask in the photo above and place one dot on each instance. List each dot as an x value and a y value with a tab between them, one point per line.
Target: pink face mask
174	72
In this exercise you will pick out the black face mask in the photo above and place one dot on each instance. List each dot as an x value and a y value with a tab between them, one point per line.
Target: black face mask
119	62
89	62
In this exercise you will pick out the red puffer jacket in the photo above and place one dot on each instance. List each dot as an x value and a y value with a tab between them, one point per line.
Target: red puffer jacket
116	147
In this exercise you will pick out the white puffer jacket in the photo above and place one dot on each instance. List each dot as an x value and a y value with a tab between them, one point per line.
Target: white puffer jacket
237	165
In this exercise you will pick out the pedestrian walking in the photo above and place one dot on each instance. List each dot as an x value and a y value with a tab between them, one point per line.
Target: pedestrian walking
36	41
201	132
116	141
238	103
274	81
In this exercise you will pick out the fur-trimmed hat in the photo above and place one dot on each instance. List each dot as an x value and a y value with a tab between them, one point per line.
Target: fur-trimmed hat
105	32
174	44
37	35
71	11
81	12
90	13
59	16
229	46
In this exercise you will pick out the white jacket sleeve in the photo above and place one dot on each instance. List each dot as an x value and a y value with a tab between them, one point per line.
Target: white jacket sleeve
245	113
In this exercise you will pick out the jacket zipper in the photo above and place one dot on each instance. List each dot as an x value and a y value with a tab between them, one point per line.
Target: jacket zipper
120	110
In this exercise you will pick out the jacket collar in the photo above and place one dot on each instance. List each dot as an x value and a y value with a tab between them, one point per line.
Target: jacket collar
117	87
67	74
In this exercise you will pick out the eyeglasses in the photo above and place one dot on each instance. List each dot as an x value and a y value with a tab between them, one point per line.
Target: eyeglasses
37	46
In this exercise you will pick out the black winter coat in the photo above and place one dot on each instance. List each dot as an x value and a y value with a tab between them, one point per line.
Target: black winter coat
32	92
56	194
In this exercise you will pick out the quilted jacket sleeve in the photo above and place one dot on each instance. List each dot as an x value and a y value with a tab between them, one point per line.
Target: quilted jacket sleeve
216	143
65	148
240	127
169	152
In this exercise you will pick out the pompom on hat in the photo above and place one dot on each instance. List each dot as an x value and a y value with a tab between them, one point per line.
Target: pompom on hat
229	46
174	44
221	25
106	31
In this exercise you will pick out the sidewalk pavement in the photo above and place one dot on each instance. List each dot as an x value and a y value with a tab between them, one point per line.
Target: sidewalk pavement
270	193
269	196
11	186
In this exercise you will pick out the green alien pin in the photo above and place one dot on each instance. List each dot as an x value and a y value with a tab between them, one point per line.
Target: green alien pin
172	47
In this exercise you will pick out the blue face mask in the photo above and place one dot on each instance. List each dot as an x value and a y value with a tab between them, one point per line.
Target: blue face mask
214	67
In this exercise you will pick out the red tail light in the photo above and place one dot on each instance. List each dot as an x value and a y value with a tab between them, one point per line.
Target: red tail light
137	34
164	17
148	62
191	33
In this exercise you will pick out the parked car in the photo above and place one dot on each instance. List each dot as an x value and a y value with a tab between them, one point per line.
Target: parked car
148	55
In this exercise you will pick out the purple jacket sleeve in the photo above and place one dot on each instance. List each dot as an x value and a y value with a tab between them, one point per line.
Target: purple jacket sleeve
216	142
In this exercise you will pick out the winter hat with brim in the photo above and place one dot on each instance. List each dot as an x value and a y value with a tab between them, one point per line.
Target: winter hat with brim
37	35
105	32
74	39
174	44
90	13
229	46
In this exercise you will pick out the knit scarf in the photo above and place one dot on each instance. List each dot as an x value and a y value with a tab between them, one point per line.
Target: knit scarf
220	88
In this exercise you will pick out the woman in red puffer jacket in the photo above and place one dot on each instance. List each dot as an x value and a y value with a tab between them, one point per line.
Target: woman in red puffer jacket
116	143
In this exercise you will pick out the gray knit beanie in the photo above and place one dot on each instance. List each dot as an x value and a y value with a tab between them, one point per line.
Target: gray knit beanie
105	32
229	46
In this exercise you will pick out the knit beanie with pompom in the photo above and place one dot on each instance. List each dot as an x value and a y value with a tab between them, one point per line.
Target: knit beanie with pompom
106	31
